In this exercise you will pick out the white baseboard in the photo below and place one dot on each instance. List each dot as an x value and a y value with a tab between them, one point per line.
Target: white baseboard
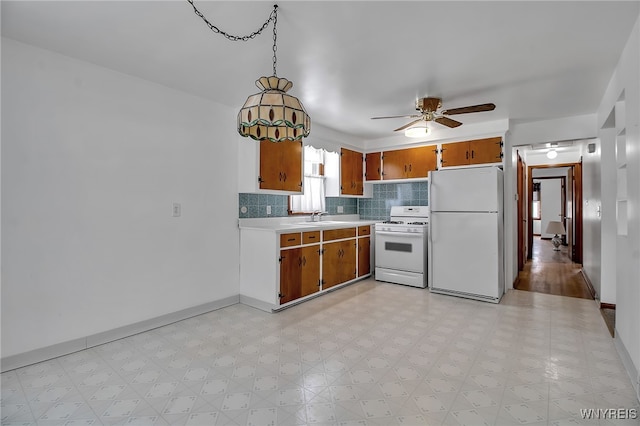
632	371
60	349
258	304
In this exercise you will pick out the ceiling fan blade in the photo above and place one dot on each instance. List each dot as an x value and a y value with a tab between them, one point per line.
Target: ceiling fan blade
473	108
449	122
406	126
398	116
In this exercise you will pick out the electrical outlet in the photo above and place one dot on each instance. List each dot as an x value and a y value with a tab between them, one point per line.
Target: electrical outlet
268	209
177	209
340	209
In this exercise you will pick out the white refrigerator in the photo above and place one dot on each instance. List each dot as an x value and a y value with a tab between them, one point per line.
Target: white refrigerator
466	233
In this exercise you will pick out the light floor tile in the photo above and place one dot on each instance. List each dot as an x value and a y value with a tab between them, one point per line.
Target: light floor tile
369	354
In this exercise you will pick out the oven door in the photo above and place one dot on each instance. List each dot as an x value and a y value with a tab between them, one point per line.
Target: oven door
400	251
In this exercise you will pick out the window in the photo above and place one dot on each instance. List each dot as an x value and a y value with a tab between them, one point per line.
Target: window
535	205
313	184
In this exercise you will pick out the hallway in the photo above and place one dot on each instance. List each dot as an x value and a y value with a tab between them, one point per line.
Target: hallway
552	272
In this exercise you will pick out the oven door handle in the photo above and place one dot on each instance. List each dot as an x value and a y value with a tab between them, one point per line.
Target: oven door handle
400	234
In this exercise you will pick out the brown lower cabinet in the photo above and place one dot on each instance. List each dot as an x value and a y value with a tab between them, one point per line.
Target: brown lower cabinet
338	262
364	256
299	272
317	260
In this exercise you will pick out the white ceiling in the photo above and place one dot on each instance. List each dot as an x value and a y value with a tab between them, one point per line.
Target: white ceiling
350	61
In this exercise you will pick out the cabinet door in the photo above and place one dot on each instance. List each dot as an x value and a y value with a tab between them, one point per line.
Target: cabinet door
290	275
358	173
338	263
486	151
455	154
310	270
281	165
351	170
421	160
364	256
374	166
393	164
270	167
291	165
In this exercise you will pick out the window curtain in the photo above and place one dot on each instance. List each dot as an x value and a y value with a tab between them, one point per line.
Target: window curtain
313	185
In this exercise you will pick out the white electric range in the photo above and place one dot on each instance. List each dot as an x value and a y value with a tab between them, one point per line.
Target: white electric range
401	246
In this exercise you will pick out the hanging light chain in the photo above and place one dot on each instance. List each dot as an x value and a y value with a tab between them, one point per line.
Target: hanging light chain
275	37
273	16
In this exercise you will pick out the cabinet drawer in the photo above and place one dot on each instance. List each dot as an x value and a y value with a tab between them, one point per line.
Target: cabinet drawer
310	237
337	234
292	239
364	230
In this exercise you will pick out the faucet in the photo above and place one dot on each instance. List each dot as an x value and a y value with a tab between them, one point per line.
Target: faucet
318	214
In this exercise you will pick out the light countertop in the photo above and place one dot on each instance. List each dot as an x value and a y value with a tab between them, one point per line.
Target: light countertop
302	223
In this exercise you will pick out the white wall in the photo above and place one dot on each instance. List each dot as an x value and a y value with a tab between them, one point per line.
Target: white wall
627	79
591	219
92	161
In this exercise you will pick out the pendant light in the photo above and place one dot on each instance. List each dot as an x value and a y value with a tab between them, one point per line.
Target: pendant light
271	114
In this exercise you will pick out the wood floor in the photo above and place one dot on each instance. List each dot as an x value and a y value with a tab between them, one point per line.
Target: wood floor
552	272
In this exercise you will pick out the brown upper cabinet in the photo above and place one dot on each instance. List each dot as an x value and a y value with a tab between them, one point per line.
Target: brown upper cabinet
409	163
281	165
479	151
373	161
351	172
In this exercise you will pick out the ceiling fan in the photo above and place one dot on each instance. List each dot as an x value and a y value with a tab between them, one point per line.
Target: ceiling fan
428	108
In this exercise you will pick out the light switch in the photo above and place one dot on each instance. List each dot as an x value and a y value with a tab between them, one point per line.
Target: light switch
268	209
177	209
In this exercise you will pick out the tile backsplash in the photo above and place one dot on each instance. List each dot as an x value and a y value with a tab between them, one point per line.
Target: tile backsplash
385	195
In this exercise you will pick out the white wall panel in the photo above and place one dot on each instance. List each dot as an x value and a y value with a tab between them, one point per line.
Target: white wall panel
92	161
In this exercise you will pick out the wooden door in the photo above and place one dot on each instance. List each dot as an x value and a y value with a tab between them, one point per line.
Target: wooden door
421	160
484	151
393	164
568	213
364	256
349	260
522	221
577	211
281	165
310	279
290	275
338	263
374	166
351	170
358	172
291	165
455	154
270	164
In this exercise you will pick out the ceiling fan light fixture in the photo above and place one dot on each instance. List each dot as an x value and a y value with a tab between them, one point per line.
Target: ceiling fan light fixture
417	131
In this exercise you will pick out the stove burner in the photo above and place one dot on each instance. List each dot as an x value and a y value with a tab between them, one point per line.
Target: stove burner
393	222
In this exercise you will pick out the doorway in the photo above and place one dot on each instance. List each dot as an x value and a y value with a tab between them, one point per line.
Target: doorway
553	193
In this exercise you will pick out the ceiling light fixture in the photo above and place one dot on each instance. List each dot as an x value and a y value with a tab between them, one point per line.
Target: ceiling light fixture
551	154
271	114
417	131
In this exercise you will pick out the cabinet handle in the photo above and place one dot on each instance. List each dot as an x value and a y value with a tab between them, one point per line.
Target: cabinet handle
280	176
409	167
405	167
472	153
285	176
291	239
299	261
467	155
304	260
